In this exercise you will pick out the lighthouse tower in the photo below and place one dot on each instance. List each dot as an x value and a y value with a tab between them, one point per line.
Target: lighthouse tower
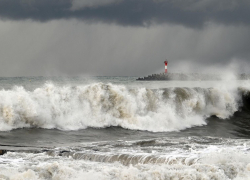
166	66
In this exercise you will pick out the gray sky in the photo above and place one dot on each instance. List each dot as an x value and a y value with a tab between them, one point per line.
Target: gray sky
123	37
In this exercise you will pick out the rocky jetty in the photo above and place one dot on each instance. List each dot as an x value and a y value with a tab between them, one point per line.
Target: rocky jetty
190	77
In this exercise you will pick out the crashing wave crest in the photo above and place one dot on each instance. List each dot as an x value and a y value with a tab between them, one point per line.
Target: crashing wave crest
102	105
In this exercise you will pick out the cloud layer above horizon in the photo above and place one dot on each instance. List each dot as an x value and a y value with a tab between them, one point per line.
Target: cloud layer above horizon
191	13
122	37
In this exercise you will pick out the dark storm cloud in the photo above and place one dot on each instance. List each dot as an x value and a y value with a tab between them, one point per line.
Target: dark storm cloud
191	13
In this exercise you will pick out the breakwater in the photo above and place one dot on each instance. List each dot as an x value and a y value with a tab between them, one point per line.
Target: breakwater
192	77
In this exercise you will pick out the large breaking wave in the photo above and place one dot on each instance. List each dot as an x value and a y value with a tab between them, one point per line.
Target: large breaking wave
102	105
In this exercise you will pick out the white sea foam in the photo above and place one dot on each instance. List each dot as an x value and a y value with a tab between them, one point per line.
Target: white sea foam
102	105
211	162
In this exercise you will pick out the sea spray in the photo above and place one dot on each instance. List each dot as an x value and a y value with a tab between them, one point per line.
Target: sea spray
101	105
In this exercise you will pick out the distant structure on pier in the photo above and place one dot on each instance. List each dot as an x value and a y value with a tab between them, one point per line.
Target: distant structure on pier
188	76
166	66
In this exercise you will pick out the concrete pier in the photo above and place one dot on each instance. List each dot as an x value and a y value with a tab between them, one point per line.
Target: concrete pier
191	77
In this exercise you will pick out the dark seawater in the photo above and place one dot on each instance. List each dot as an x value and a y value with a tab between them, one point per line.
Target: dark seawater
120	128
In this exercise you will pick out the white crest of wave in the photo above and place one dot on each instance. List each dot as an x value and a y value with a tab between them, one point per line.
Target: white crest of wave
102	105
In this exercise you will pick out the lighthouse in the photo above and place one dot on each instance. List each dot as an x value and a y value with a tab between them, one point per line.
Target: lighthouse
166	66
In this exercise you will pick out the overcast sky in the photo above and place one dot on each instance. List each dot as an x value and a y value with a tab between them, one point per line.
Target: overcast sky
123	37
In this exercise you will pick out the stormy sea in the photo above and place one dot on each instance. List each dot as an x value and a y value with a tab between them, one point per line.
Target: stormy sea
118	128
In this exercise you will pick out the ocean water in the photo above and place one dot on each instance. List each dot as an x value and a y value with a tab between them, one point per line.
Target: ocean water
59	128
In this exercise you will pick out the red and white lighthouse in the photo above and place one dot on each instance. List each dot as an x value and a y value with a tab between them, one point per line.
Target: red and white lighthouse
166	66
